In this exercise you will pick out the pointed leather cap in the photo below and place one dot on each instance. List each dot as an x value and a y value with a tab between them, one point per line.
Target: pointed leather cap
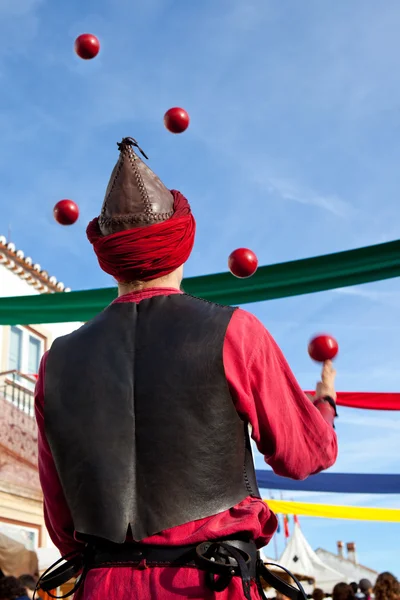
135	196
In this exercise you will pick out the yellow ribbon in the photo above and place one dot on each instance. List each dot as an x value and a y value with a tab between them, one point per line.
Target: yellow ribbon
327	511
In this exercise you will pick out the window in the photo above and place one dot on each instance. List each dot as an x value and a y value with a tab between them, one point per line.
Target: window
35	348
25	351
28	536
15	353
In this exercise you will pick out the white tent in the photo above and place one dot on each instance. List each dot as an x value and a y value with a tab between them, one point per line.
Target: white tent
299	558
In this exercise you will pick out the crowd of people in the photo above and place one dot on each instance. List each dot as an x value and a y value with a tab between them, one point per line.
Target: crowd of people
387	587
21	588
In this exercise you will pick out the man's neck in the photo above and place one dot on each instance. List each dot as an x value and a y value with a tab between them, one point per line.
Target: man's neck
156	283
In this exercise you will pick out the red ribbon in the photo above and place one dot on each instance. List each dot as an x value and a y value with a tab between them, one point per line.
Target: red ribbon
146	253
368	400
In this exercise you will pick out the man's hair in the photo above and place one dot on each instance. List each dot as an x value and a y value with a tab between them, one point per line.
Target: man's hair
342	591
318	594
11	588
387	587
354	586
28	581
365	585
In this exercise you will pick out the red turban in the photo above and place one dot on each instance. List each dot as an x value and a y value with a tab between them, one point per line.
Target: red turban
146	253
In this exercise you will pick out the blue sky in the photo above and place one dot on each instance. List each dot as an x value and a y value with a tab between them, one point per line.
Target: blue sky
292	151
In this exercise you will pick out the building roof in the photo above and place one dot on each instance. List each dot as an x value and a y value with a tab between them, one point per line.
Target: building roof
344	560
353	571
24	267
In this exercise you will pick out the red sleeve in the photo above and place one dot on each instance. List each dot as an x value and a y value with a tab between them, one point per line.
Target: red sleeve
292	434
56	512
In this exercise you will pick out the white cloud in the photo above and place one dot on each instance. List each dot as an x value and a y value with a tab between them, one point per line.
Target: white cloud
21	8
289	190
391	299
371	453
361	421
19	25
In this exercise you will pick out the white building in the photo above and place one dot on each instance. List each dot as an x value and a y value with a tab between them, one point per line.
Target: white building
21	348
349	567
319	569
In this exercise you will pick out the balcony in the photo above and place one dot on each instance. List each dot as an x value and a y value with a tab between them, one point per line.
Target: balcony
18	389
18	430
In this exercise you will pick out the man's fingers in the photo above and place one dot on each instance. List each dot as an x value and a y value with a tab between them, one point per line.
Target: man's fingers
328	371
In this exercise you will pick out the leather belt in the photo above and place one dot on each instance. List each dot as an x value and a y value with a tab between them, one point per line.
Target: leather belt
224	559
221	560
205	555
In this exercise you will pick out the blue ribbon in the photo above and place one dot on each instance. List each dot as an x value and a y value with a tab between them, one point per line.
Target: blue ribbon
341	483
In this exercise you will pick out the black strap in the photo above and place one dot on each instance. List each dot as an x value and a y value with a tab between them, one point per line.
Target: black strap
279	584
52	578
331	402
216	559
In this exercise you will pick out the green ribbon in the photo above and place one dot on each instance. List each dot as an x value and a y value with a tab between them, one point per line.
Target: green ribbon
342	269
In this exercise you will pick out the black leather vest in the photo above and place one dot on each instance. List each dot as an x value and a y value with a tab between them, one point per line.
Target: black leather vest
140	420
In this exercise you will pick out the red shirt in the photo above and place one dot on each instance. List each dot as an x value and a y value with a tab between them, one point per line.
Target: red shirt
295	437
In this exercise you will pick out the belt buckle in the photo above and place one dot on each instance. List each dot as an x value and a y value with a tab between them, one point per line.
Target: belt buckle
211	563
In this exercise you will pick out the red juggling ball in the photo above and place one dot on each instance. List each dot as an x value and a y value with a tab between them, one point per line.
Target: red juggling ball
176	120
87	46
66	212
242	263
323	347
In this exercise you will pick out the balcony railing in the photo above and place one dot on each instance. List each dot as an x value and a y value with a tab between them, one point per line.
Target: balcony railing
18	388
